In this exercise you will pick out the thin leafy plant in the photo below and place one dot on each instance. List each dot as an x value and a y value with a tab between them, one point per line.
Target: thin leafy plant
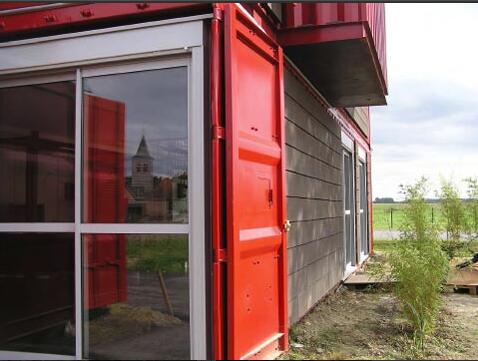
456	220
418	264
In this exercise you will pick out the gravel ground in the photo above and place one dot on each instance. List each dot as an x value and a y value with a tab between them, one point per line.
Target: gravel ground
367	324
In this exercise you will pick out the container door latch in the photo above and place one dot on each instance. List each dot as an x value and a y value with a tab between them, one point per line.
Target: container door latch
287	225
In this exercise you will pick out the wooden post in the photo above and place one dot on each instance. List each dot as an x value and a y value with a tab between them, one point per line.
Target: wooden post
164	290
391	218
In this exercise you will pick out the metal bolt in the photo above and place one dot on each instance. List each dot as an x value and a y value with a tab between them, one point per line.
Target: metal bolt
142	6
86	13
50	18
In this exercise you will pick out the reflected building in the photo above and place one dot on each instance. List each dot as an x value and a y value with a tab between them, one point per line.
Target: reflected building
150	197
142	169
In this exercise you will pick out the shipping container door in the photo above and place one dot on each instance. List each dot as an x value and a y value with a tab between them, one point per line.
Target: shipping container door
104	168
256	273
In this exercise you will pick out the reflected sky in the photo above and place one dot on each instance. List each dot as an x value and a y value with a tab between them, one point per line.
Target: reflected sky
157	106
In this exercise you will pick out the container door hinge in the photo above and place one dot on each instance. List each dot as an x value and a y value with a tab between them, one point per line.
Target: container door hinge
218	132
220	255
218	13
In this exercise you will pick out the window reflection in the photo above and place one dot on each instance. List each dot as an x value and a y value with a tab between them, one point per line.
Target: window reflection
136	296
37	153
37	293
136	147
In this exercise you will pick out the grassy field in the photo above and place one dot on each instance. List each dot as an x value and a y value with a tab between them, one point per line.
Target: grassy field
389	216
168	254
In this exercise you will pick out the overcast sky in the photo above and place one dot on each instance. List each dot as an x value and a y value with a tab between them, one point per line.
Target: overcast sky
430	126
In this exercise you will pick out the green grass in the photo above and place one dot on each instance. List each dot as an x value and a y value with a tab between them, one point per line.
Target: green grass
384	245
159	253
390	216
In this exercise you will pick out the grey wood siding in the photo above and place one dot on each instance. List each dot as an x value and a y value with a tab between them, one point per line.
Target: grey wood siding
360	116
314	198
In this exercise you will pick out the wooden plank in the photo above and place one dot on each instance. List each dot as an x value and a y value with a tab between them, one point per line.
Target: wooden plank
303	232
303	164
302	96
359	115
300	139
310	209
306	187
298	115
306	254
362	278
300	303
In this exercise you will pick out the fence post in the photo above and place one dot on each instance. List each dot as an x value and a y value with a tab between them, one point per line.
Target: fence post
391	218
433	218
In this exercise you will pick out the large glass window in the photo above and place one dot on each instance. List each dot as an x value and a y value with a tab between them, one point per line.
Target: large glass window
94	213
349	208
37	312
136	292
37	142
136	148
364	245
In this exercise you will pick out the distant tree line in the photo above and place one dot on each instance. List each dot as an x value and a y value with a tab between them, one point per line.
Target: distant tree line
384	200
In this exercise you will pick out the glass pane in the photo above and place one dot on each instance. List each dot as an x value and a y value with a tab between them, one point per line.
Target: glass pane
37	293
136	297
136	147
37	142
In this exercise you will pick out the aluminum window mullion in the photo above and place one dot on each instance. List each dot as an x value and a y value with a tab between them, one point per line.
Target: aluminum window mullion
36	227
136	228
78	204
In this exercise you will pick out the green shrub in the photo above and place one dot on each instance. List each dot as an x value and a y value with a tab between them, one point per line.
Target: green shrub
472	205
454	213
418	264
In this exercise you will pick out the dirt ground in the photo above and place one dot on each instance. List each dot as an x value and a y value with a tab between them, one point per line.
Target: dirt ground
367	324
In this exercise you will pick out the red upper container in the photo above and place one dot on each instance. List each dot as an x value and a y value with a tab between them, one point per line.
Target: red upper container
341	47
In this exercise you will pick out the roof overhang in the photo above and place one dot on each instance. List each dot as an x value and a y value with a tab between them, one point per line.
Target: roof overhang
340	60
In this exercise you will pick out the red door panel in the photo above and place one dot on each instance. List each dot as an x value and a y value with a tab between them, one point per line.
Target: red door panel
105	177
256	243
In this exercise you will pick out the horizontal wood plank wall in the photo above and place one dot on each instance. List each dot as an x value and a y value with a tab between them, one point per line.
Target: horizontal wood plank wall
360	116
314	198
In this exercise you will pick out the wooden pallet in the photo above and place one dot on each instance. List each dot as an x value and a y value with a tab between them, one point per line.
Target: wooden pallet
363	279
465	278
472	289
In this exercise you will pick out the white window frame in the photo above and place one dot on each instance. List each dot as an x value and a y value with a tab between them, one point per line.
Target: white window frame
348	148
363	254
147	46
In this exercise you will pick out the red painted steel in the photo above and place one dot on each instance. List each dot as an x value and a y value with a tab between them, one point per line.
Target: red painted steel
256	247
217	186
19	5
105	254
337	21
73	14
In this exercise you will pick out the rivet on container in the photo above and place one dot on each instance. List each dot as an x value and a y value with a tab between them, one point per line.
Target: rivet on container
142	6
50	18
86	13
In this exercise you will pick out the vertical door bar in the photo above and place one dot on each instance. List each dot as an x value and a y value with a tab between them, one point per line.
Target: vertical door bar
78	203
197	252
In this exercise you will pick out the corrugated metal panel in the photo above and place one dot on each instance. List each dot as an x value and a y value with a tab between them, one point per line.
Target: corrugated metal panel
304	14
256	242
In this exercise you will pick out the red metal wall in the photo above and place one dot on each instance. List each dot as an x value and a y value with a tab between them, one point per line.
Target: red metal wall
64	15
303	14
255	188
